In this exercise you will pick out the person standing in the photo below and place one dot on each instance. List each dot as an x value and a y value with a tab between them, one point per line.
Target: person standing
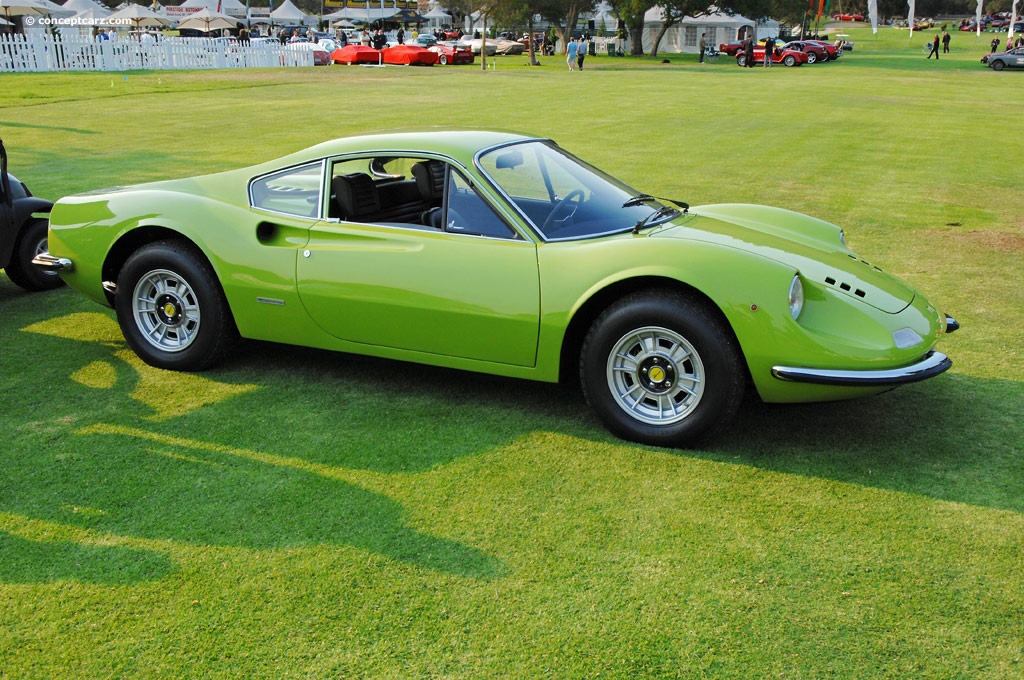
581	50
571	52
935	48
945	41
769	51
748	51
702	46
995	45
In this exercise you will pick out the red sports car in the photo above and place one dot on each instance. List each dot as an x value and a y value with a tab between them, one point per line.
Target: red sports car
832	50
730	48
409	55
779	56
814	51
356	54
452	53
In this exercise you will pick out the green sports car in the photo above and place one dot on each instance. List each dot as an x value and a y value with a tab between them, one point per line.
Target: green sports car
504	254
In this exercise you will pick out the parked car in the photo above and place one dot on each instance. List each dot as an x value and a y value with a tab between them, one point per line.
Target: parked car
409	55
1010	59
356	54
731	48
500	253
424	40
833	50
814	51
23	229
453	53
321	57
509	47
779	56
477	44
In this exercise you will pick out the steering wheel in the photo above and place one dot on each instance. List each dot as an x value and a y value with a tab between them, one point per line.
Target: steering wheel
575	194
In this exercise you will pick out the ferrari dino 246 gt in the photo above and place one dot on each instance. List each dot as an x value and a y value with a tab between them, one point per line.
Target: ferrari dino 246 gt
504	254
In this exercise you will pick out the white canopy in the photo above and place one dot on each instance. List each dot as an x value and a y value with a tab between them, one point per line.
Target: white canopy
718	27
289	13
80	6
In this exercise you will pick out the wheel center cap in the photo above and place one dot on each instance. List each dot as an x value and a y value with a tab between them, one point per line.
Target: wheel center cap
169	309
657	374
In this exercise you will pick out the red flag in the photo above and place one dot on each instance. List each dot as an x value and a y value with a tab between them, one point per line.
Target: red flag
821	7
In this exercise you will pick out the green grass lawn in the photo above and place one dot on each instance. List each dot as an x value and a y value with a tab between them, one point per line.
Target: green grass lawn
297	513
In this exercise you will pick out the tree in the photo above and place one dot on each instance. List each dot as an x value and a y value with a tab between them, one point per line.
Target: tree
563	15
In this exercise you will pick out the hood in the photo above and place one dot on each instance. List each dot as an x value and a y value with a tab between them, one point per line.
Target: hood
811	246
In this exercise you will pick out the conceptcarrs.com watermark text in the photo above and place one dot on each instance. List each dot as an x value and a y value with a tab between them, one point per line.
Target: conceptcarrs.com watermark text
75	21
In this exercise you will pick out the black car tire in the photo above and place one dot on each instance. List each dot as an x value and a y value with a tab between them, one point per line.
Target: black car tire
997	65
171	308
790	60
662	368
442	60
812	58
741	60
31	242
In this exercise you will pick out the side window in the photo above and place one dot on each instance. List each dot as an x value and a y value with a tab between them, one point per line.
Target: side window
468	213
295	191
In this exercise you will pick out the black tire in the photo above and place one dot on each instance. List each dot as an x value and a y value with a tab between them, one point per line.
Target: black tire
997	65
660	368
171	308
443	60
31	241
789	60
741	60
812	58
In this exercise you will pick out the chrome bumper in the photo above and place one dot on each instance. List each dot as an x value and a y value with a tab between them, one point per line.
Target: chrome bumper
933	364
51	263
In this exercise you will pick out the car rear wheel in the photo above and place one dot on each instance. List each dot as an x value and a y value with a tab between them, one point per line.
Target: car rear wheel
31	242
661	368
789	60
172	310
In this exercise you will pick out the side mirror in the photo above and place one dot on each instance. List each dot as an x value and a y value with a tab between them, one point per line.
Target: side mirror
512	159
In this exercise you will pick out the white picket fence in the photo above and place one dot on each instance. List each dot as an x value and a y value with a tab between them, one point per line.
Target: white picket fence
47	52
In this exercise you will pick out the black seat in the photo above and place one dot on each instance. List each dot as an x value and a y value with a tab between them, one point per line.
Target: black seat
430	182
355	196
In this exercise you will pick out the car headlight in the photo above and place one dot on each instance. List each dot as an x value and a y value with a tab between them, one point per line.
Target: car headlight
796	297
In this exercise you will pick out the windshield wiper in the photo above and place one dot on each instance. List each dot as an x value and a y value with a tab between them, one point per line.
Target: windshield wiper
637	200
665	211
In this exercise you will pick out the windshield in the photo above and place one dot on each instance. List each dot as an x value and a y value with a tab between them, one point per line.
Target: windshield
563	197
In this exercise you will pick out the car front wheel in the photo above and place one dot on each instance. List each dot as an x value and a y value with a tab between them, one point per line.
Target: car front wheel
812	58
171	308
661	368
443	60
997	65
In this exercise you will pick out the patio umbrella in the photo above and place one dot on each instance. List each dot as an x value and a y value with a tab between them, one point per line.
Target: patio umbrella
206	20
138	15
18	8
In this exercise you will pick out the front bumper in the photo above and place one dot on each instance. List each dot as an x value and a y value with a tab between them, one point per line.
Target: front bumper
52	264
931	365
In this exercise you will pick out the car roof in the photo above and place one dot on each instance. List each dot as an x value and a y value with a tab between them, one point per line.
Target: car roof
462	144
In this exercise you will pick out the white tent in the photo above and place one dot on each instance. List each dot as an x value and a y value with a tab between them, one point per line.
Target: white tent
288	13
79	6
684	36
